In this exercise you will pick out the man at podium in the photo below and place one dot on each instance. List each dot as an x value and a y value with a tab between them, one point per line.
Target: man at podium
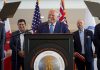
52	25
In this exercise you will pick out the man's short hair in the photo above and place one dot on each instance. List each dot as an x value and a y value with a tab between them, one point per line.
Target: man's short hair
21	20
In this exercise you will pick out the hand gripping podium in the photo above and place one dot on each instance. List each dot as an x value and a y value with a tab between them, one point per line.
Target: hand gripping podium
48	52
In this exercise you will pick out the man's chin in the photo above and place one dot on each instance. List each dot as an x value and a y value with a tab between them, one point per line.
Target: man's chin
22	30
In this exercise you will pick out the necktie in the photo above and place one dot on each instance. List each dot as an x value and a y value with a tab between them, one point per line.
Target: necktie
51	28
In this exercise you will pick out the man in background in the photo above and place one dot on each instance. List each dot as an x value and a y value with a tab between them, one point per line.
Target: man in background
17	45
83	47
97	43
3	53
52	25
2	39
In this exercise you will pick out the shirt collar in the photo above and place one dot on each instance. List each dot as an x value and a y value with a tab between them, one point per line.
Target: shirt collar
81	30
21	32
53	23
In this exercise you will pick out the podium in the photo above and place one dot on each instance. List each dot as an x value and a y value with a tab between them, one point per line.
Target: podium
48	52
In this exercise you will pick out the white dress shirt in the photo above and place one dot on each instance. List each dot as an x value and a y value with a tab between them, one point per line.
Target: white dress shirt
81	34
22	40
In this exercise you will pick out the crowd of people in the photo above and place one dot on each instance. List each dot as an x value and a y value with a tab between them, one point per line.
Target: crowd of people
83	40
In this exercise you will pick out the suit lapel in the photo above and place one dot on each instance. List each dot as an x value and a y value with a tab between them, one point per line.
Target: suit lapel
57	27
47	25
84	37
18	40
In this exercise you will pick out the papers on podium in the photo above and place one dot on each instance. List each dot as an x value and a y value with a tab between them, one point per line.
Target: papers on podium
9	10
94	8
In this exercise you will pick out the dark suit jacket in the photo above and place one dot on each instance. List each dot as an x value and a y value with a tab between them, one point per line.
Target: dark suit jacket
60	27
15	44
2	38
97	39
88	38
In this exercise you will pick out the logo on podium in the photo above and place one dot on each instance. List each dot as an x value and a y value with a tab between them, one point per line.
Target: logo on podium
48	60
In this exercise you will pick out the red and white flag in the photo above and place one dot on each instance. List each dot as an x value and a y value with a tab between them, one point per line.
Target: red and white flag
62	11
7	60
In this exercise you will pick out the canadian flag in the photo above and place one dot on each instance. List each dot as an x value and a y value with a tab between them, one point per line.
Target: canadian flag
7	60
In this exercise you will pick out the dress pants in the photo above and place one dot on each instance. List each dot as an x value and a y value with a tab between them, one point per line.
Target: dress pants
84	65
17	64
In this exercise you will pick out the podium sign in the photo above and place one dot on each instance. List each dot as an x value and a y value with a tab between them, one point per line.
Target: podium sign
48	52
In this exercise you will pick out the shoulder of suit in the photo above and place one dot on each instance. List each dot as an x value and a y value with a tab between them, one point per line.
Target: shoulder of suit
44	23
60	22
1	24
98	25
75	32
15	32
89	31
28	32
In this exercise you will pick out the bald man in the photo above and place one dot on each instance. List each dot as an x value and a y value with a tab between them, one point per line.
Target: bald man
83	45
52	25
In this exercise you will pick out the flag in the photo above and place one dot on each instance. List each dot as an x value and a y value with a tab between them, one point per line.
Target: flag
61	11
7	61
36	18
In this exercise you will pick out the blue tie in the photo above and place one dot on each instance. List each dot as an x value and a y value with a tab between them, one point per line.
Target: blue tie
51	28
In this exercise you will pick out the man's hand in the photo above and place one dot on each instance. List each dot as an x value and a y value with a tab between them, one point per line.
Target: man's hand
94	55
21	53
8	53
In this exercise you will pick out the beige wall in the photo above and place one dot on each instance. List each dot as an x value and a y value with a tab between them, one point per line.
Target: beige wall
27	14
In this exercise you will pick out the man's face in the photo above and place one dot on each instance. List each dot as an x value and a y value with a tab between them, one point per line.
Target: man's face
52	16
22	26
80	24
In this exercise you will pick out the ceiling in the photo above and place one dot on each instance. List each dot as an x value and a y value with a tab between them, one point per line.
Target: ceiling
46	4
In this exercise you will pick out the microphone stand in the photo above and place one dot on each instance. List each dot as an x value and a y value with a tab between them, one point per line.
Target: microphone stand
20	33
